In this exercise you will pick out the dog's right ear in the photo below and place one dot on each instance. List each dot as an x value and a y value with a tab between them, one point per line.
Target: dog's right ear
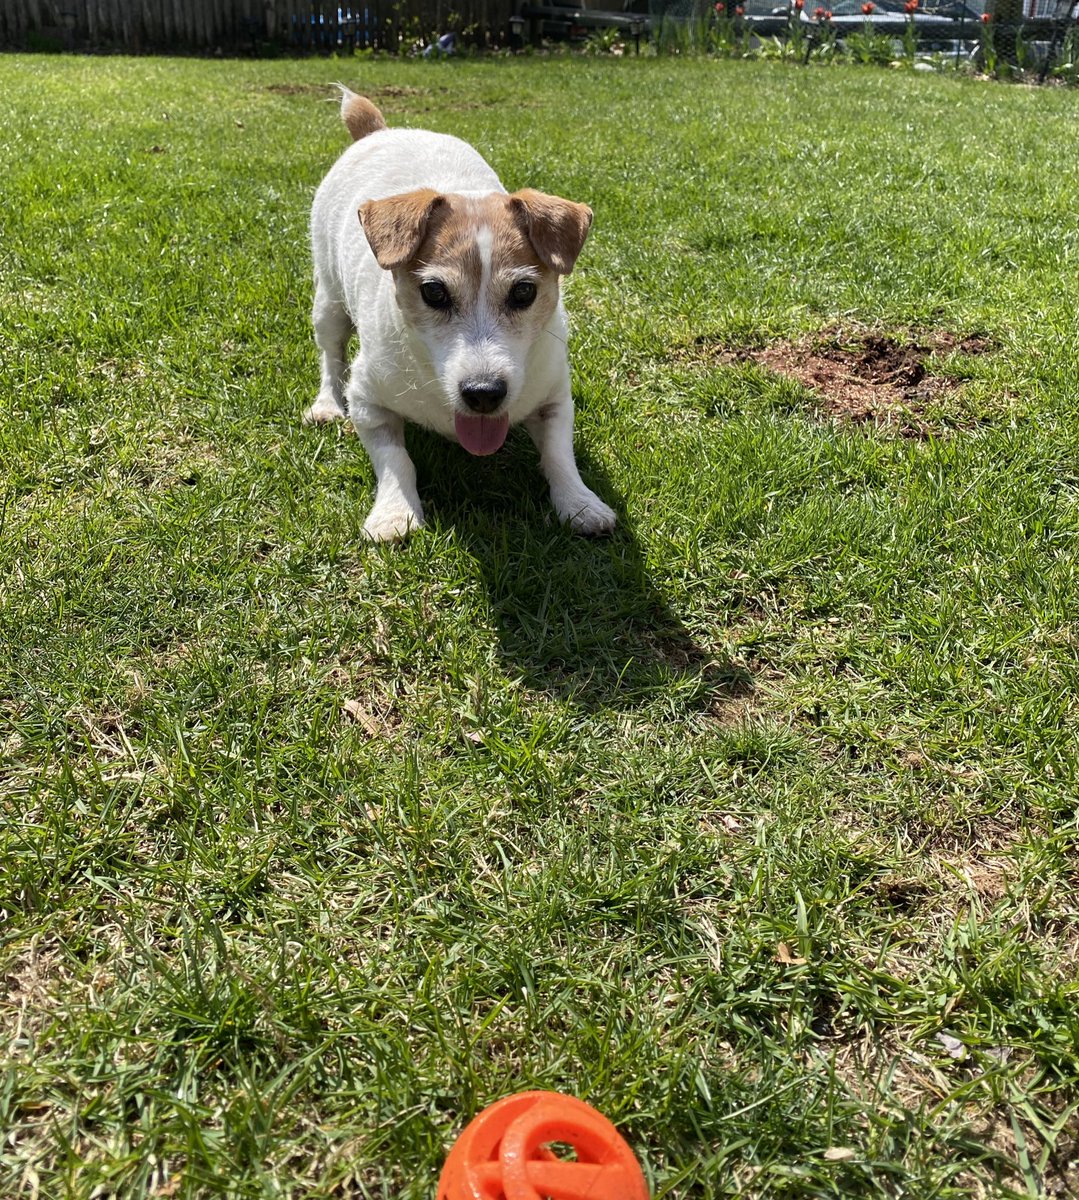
396	226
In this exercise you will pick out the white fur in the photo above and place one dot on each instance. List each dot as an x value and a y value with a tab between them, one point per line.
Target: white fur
412	369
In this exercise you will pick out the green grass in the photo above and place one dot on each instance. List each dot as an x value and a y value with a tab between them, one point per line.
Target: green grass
311	849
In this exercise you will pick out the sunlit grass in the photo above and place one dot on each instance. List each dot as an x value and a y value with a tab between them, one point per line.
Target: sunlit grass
312	849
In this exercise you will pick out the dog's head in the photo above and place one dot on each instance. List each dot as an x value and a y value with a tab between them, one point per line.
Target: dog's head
477	277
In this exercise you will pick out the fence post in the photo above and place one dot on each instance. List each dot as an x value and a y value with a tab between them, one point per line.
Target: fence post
1007	17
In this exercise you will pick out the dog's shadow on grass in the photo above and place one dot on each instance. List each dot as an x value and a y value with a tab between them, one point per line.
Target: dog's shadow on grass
576	617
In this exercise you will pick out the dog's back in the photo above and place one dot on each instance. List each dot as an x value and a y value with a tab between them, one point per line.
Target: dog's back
383	161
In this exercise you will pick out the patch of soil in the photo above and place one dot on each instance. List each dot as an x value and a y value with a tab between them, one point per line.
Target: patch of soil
865	376
391	90
396	89
296	89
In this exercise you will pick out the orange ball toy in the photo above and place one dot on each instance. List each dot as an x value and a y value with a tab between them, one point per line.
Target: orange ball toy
504	1154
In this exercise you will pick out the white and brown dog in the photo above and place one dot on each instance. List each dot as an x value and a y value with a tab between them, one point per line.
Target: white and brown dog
453	288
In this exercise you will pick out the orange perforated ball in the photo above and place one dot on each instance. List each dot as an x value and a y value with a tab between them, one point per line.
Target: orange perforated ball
504	1154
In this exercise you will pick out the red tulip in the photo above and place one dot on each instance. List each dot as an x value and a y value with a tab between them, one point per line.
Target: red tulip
986	18
868	7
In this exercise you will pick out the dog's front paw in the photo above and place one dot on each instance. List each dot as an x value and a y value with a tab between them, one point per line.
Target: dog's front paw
324	410
392	522
586	513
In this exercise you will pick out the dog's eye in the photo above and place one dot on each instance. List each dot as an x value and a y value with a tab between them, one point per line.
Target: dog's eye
435	294
522	294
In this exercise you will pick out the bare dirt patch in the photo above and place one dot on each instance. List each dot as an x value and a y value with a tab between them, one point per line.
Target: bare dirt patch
392	91
30	982
296	89
865	376
395	90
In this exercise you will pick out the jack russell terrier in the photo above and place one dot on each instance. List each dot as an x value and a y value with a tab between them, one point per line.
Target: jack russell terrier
453	288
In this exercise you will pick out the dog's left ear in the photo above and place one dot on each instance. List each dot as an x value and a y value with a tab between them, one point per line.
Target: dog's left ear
556	228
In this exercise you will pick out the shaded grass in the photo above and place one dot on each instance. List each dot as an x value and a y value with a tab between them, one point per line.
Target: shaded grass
817	692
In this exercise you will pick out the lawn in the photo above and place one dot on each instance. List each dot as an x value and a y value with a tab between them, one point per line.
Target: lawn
754	825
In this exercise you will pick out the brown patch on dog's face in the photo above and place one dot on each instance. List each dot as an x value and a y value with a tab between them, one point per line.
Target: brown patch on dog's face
480	252
450	250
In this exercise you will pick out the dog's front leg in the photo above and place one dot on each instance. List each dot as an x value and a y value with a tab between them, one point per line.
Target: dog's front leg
396	511
551	427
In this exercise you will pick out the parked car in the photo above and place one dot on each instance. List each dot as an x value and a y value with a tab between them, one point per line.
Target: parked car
579	20
563	29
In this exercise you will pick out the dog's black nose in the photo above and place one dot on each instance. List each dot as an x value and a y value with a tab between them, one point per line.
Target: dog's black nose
483	395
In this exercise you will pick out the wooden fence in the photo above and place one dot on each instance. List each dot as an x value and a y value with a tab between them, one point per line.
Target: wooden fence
247	26
317	26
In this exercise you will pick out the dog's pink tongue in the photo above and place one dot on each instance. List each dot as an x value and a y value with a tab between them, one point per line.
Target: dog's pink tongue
480	434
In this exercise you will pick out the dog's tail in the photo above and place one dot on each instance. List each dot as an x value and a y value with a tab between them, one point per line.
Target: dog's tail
359	114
